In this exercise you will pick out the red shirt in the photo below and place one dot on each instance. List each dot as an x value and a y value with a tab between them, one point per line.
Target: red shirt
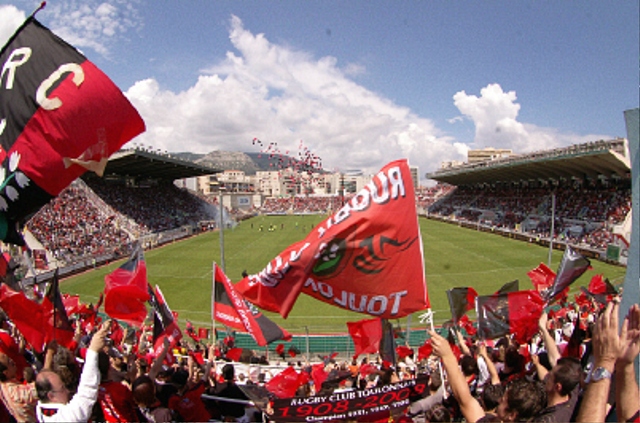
190	405
116	401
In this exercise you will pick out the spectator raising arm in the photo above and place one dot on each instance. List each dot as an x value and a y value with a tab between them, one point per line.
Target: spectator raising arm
627	394
549	343
470	407
607	346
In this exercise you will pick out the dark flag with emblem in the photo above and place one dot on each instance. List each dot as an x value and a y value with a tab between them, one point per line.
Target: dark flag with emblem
125	292
164	323
514	313
59	117
572	266
461	300
349	259
231	309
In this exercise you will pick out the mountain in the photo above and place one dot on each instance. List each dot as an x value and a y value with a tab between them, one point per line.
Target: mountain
249	163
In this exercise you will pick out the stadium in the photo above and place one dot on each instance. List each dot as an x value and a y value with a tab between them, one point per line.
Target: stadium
96	221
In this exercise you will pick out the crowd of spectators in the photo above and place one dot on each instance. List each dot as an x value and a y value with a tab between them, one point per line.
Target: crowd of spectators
75	226
585	212
71	227
578	367
156	208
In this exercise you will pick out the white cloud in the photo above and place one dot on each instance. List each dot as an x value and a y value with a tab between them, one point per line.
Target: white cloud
93	24
12	18
280	95
494	115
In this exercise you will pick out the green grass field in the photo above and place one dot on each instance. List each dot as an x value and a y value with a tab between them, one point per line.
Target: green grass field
453	257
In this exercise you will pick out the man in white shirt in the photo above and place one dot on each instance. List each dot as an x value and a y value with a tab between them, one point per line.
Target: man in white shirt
54	404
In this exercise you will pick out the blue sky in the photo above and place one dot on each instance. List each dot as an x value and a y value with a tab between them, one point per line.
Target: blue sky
361	83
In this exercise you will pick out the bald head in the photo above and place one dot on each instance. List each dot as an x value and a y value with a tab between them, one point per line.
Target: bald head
50	388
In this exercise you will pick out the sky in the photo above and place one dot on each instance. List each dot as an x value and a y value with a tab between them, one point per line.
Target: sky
360	83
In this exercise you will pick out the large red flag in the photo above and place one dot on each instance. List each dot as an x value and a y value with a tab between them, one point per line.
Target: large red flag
541	277
27	315
125	292
231	309
366	258
366	335
514	313
59	117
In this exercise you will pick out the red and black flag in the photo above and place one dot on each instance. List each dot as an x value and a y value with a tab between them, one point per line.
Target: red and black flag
514	313
461	300
348	259
366	335
572	266
600	289
191	331
56	314
126	292
231	309
164	323
59	117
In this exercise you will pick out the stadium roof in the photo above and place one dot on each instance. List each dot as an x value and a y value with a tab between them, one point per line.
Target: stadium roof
148	165
606	158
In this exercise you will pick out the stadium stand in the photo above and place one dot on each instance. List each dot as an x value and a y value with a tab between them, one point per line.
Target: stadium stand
590	182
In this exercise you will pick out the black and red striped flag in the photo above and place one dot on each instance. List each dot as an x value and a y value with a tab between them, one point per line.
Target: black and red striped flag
59	117
230	308
461	300
514	313
572	266
164	322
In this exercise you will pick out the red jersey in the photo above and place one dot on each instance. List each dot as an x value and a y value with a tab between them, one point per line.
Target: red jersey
116	401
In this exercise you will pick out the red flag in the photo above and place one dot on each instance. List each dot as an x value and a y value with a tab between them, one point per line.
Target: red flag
466	324
403	351
203	333
71	303
572	266
366	335
61	117
349	259
280	350
319	375
542	277
425	350
27	315
285	384
192	332
231	309
514	313
125	292
461	300
234	354
164	324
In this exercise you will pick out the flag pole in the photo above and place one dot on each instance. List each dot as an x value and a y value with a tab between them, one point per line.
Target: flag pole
221	229
213	304
42	6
